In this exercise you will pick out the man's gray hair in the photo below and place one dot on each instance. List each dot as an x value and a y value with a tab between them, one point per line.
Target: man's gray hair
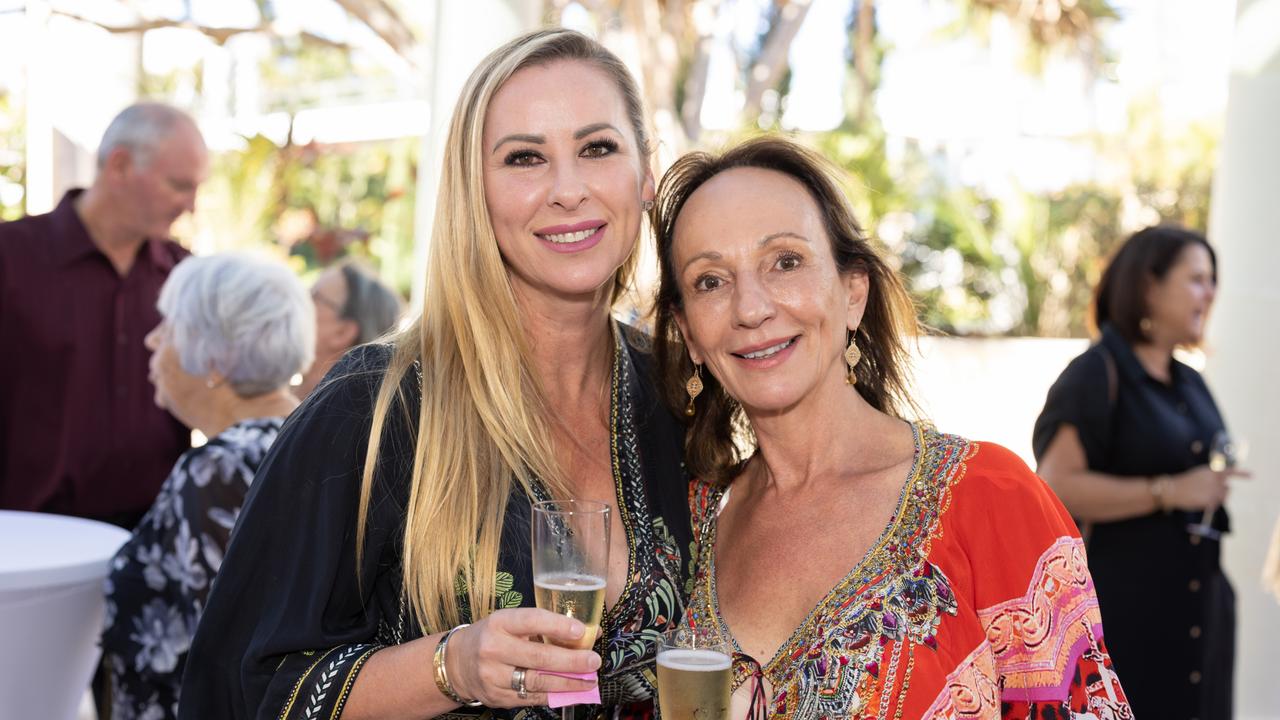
371	304
139	129
247	317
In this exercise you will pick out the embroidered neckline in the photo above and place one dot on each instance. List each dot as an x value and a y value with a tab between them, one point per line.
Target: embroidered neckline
621	431
859	642
787	648
621	367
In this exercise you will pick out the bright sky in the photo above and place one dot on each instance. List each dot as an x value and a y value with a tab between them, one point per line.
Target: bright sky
939	93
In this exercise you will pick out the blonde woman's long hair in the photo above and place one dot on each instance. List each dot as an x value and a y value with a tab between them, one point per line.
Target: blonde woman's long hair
481	424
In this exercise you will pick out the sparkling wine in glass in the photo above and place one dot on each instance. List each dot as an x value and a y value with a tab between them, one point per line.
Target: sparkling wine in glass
1225	453
695	675
571	562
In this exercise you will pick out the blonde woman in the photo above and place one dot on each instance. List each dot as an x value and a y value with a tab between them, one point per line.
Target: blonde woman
381	567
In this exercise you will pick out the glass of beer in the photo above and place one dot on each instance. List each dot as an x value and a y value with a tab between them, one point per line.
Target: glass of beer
695	675
571	562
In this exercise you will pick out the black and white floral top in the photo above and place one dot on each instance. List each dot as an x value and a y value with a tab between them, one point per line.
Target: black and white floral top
160	579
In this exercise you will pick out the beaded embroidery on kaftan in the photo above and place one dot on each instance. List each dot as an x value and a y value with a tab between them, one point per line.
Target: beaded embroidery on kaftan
855	651
649	603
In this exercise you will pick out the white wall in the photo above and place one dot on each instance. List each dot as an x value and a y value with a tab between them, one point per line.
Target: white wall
69	104
993	390
463	34
1245	336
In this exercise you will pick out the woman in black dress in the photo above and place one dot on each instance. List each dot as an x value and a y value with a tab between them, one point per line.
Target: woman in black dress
394	508
1124	440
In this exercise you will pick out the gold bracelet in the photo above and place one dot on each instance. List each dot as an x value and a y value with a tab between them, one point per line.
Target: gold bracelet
1159	487
442	674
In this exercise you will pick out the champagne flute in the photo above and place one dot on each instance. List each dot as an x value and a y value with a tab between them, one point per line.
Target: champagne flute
570	563
695	675
1225	453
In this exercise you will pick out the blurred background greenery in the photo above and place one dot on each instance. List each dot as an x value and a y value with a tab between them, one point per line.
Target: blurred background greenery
985	258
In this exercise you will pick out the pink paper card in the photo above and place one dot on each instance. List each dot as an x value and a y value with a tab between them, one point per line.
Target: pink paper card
565	699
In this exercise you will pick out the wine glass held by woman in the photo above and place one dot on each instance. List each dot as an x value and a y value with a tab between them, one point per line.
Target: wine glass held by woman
382	564
1124	439
862	565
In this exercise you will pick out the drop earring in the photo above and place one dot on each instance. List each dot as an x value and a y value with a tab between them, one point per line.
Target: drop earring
694	388
852	355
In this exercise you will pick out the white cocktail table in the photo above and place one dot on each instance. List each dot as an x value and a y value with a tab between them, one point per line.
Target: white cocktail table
51	606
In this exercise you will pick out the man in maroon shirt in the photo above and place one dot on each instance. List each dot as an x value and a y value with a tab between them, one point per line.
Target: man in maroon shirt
79	431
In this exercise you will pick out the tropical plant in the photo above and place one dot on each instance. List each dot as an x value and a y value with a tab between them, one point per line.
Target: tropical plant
13	163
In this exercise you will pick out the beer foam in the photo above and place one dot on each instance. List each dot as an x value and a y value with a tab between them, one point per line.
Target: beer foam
694	660
569	582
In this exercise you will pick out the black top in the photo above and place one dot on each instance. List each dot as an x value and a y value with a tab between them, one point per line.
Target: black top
1165	603
287	627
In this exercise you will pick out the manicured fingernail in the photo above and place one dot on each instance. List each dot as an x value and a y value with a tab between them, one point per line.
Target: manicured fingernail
594	662
577	629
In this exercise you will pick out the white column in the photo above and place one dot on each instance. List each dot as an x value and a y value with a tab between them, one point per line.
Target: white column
463	33
1244	337
39	91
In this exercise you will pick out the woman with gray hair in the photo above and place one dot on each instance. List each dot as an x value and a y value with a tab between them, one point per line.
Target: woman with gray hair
234	330
353	307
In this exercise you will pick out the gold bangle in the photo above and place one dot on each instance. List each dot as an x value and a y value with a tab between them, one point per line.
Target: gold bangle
1159	487
442	674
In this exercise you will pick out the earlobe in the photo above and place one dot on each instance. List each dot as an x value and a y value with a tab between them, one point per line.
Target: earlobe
118	161
694	354
857	286
649	190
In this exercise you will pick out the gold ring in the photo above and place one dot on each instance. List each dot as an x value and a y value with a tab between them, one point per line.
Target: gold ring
517	683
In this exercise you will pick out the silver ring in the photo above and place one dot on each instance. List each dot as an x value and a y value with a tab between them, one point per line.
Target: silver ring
517	683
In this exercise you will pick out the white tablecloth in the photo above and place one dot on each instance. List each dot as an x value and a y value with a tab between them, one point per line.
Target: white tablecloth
51	605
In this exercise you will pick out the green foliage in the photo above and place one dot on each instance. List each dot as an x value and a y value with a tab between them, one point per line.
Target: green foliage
1021	263
13	161
1062	242
1172	169
318	203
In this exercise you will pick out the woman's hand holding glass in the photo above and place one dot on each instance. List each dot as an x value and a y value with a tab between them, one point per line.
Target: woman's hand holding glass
483	658
1225	455
1197	488
570	563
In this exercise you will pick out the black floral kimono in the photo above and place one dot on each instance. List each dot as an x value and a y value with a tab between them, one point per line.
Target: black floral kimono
160	579
288	628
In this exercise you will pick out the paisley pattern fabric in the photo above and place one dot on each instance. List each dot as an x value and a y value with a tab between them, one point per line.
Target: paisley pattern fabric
950	614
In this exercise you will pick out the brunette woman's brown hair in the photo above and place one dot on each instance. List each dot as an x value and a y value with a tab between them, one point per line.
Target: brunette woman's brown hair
1146	257
719	439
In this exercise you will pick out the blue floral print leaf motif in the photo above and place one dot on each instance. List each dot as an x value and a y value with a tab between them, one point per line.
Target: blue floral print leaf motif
224	517
212	552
